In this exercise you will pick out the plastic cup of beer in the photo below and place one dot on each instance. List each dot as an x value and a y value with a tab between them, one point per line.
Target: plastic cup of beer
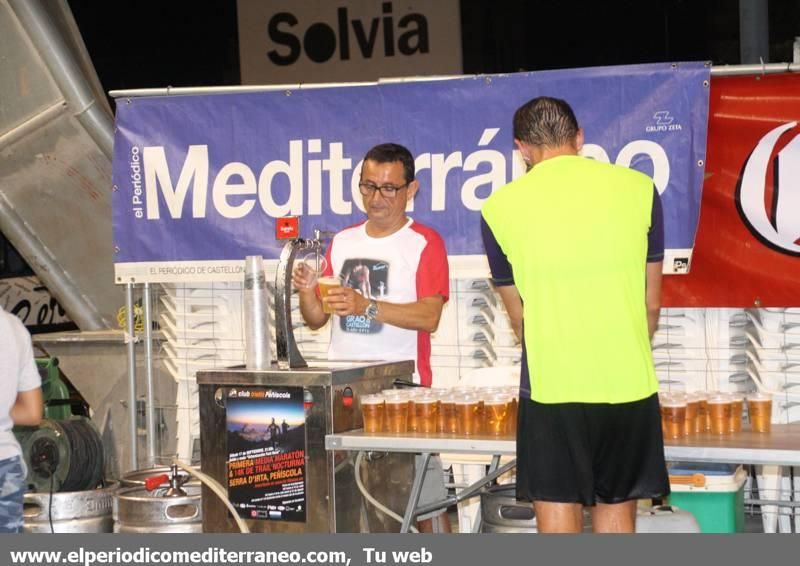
464	390
373	409
737	411
427	412
719	411
448	421
480	417
411	395
703	422
325	285
393	393
486	392
440	418
698	422
663	397
495	414
397	414
437	392
692	406
468	415
513	409
759	406
673	417
315	265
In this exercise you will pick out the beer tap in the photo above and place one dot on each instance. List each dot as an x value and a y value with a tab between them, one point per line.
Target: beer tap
288	354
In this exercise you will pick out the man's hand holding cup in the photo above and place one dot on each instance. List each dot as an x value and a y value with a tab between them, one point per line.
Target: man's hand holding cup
342	301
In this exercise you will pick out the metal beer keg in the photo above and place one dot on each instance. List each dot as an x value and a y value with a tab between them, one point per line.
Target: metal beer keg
502	513
137	510
86	511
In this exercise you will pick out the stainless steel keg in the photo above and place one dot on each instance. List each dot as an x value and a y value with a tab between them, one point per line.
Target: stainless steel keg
137	510
502	513
71	511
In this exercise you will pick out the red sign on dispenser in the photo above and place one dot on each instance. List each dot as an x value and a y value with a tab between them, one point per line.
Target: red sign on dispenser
287	228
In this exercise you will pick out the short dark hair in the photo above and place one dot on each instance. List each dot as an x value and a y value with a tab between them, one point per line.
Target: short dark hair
545	121
390	153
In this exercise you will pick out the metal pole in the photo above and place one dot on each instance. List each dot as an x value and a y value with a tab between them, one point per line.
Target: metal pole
35	122
167	91
766	68
66	71
52	274
148	369
38	25
184	90
130	339
754	31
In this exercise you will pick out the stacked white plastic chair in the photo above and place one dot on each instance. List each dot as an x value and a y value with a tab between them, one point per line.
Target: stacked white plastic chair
774	352
473	333
701	349
774	366
203	328
474	346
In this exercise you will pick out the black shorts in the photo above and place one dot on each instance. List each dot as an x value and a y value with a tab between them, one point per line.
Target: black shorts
590	452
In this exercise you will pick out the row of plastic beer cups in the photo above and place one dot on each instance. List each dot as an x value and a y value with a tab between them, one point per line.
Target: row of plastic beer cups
684	414
460	411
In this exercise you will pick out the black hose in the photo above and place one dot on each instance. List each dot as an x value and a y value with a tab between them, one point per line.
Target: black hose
400	383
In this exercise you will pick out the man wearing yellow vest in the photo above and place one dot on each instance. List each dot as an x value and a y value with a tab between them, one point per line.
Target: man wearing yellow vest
575	247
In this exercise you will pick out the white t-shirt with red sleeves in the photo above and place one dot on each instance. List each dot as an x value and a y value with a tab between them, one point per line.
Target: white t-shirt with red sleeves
406	266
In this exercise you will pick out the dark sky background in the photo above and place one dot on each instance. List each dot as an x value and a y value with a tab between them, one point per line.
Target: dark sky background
179	43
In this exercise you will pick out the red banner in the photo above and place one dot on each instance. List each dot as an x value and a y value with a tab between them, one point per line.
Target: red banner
746	252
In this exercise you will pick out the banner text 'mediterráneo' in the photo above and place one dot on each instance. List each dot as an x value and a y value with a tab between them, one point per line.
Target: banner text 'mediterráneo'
310	180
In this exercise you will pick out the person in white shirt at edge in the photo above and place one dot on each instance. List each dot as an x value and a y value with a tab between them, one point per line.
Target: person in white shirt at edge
20	404
406	264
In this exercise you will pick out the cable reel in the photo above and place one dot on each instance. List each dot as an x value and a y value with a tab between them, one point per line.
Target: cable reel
71	451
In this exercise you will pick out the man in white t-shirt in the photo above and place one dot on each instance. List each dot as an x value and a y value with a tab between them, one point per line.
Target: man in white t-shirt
20	404
395	280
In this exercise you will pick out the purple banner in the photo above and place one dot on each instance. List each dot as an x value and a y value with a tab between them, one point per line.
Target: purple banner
202	178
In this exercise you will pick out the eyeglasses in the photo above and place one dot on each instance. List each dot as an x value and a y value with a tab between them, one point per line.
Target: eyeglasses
387	191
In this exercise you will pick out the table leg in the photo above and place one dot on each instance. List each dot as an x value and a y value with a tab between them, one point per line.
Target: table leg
495	463
476	526
416	490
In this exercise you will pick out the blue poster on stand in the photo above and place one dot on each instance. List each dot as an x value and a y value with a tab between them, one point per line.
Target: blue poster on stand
200	180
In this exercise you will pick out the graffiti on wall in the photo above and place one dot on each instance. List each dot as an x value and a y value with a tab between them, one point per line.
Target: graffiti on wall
28	299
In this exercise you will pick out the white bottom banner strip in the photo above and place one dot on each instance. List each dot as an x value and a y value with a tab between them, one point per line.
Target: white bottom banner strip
676	261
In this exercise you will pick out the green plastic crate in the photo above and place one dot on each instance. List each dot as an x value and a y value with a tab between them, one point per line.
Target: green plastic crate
718	507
